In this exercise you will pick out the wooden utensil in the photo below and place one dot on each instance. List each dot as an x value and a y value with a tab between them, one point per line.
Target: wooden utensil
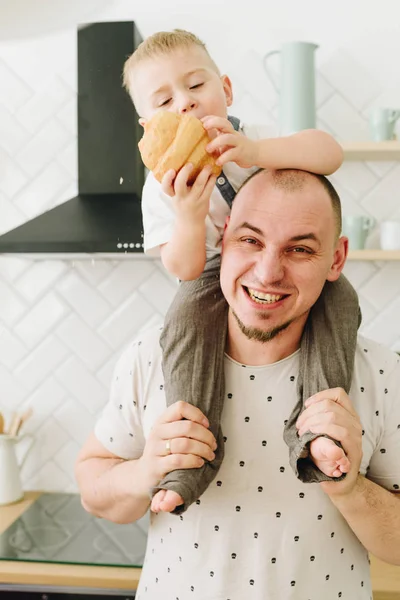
14	424
1	424
24	417
18	420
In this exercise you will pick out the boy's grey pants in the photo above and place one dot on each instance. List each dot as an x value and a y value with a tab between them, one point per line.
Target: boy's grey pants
193	343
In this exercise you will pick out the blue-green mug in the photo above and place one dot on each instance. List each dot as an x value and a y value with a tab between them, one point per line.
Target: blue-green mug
356	228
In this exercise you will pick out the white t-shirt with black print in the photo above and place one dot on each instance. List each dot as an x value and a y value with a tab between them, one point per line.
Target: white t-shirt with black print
257	533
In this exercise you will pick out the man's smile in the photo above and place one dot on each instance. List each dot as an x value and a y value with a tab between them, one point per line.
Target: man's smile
264	297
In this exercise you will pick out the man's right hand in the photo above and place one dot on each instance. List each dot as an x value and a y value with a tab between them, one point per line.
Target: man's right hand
191	442
191	202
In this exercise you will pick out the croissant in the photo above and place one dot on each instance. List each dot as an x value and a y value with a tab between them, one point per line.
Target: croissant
170	141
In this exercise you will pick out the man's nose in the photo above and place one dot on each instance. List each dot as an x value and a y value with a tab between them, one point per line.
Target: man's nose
269	267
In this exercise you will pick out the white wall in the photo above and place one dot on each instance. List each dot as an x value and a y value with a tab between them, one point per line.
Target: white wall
63	323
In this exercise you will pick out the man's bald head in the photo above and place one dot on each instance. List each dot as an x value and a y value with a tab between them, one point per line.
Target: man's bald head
293	180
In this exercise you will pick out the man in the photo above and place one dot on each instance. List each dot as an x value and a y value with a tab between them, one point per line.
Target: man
258	532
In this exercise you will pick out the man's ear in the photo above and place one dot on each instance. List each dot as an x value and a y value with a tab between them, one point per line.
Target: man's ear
339	259
225	228
227	85
142	122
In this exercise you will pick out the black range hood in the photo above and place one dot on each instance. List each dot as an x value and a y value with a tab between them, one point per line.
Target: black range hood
106	215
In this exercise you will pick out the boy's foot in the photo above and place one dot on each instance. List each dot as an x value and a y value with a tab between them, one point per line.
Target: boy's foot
328	457
165	501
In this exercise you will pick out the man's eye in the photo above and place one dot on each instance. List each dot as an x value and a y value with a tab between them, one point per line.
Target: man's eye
249	240
300	250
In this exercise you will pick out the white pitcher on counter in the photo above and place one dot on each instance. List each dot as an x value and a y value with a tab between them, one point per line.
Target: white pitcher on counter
10	480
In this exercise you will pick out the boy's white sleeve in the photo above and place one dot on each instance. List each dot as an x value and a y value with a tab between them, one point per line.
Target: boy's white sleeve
384	466
158	216
119	427
259	132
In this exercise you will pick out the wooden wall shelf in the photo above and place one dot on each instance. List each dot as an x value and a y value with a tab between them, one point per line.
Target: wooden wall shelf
374	255
389	150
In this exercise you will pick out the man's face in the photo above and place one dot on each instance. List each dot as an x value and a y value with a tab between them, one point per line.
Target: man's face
182	81
279	248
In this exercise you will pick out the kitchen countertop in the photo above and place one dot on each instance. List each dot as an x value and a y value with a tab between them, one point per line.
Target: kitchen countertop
385	577
35	573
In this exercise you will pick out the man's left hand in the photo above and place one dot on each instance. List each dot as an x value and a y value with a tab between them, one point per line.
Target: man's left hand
230	145
331	412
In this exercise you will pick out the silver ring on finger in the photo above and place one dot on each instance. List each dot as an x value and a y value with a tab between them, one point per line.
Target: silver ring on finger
168	447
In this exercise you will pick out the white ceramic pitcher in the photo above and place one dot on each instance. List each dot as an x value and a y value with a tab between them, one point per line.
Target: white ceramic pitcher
10	481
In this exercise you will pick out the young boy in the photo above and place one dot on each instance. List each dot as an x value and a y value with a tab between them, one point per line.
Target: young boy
184	224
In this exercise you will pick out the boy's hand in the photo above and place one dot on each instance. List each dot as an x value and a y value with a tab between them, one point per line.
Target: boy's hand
191	202
230	145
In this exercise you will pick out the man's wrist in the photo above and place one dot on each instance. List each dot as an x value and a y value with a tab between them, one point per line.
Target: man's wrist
347	500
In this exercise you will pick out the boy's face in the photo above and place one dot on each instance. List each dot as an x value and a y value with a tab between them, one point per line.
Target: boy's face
182	81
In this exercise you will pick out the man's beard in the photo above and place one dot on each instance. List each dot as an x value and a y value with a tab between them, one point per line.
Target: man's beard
252	333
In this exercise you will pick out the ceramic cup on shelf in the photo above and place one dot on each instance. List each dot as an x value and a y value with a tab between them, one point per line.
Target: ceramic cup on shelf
390	235
357	228
382	122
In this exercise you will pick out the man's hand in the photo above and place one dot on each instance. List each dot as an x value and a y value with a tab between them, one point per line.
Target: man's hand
331	412
190	442
191	202
228	144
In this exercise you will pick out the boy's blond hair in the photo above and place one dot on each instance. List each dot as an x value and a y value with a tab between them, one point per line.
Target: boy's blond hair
158	44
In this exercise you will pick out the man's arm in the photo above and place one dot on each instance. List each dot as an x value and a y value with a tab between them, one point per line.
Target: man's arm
118	489
111	487
373	513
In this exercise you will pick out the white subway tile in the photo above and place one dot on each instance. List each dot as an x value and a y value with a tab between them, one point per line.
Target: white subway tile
158	291
37	195
48	478
384	199
75	420
14	92
39	279
44	104
383	287
12	178
355	83
11	305
40	320
41	362
84	299
13	135
126	320
124	278
81	384
11	348
83	341
344	119
42	147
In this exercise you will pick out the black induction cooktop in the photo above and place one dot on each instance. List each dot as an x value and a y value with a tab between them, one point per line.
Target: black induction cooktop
56	529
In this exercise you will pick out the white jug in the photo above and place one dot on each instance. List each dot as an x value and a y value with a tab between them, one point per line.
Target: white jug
10	481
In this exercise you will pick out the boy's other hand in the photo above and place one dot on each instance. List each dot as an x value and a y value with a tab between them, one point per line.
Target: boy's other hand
229	145
191	202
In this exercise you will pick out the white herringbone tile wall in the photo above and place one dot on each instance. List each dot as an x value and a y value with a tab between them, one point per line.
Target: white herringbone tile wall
63	323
